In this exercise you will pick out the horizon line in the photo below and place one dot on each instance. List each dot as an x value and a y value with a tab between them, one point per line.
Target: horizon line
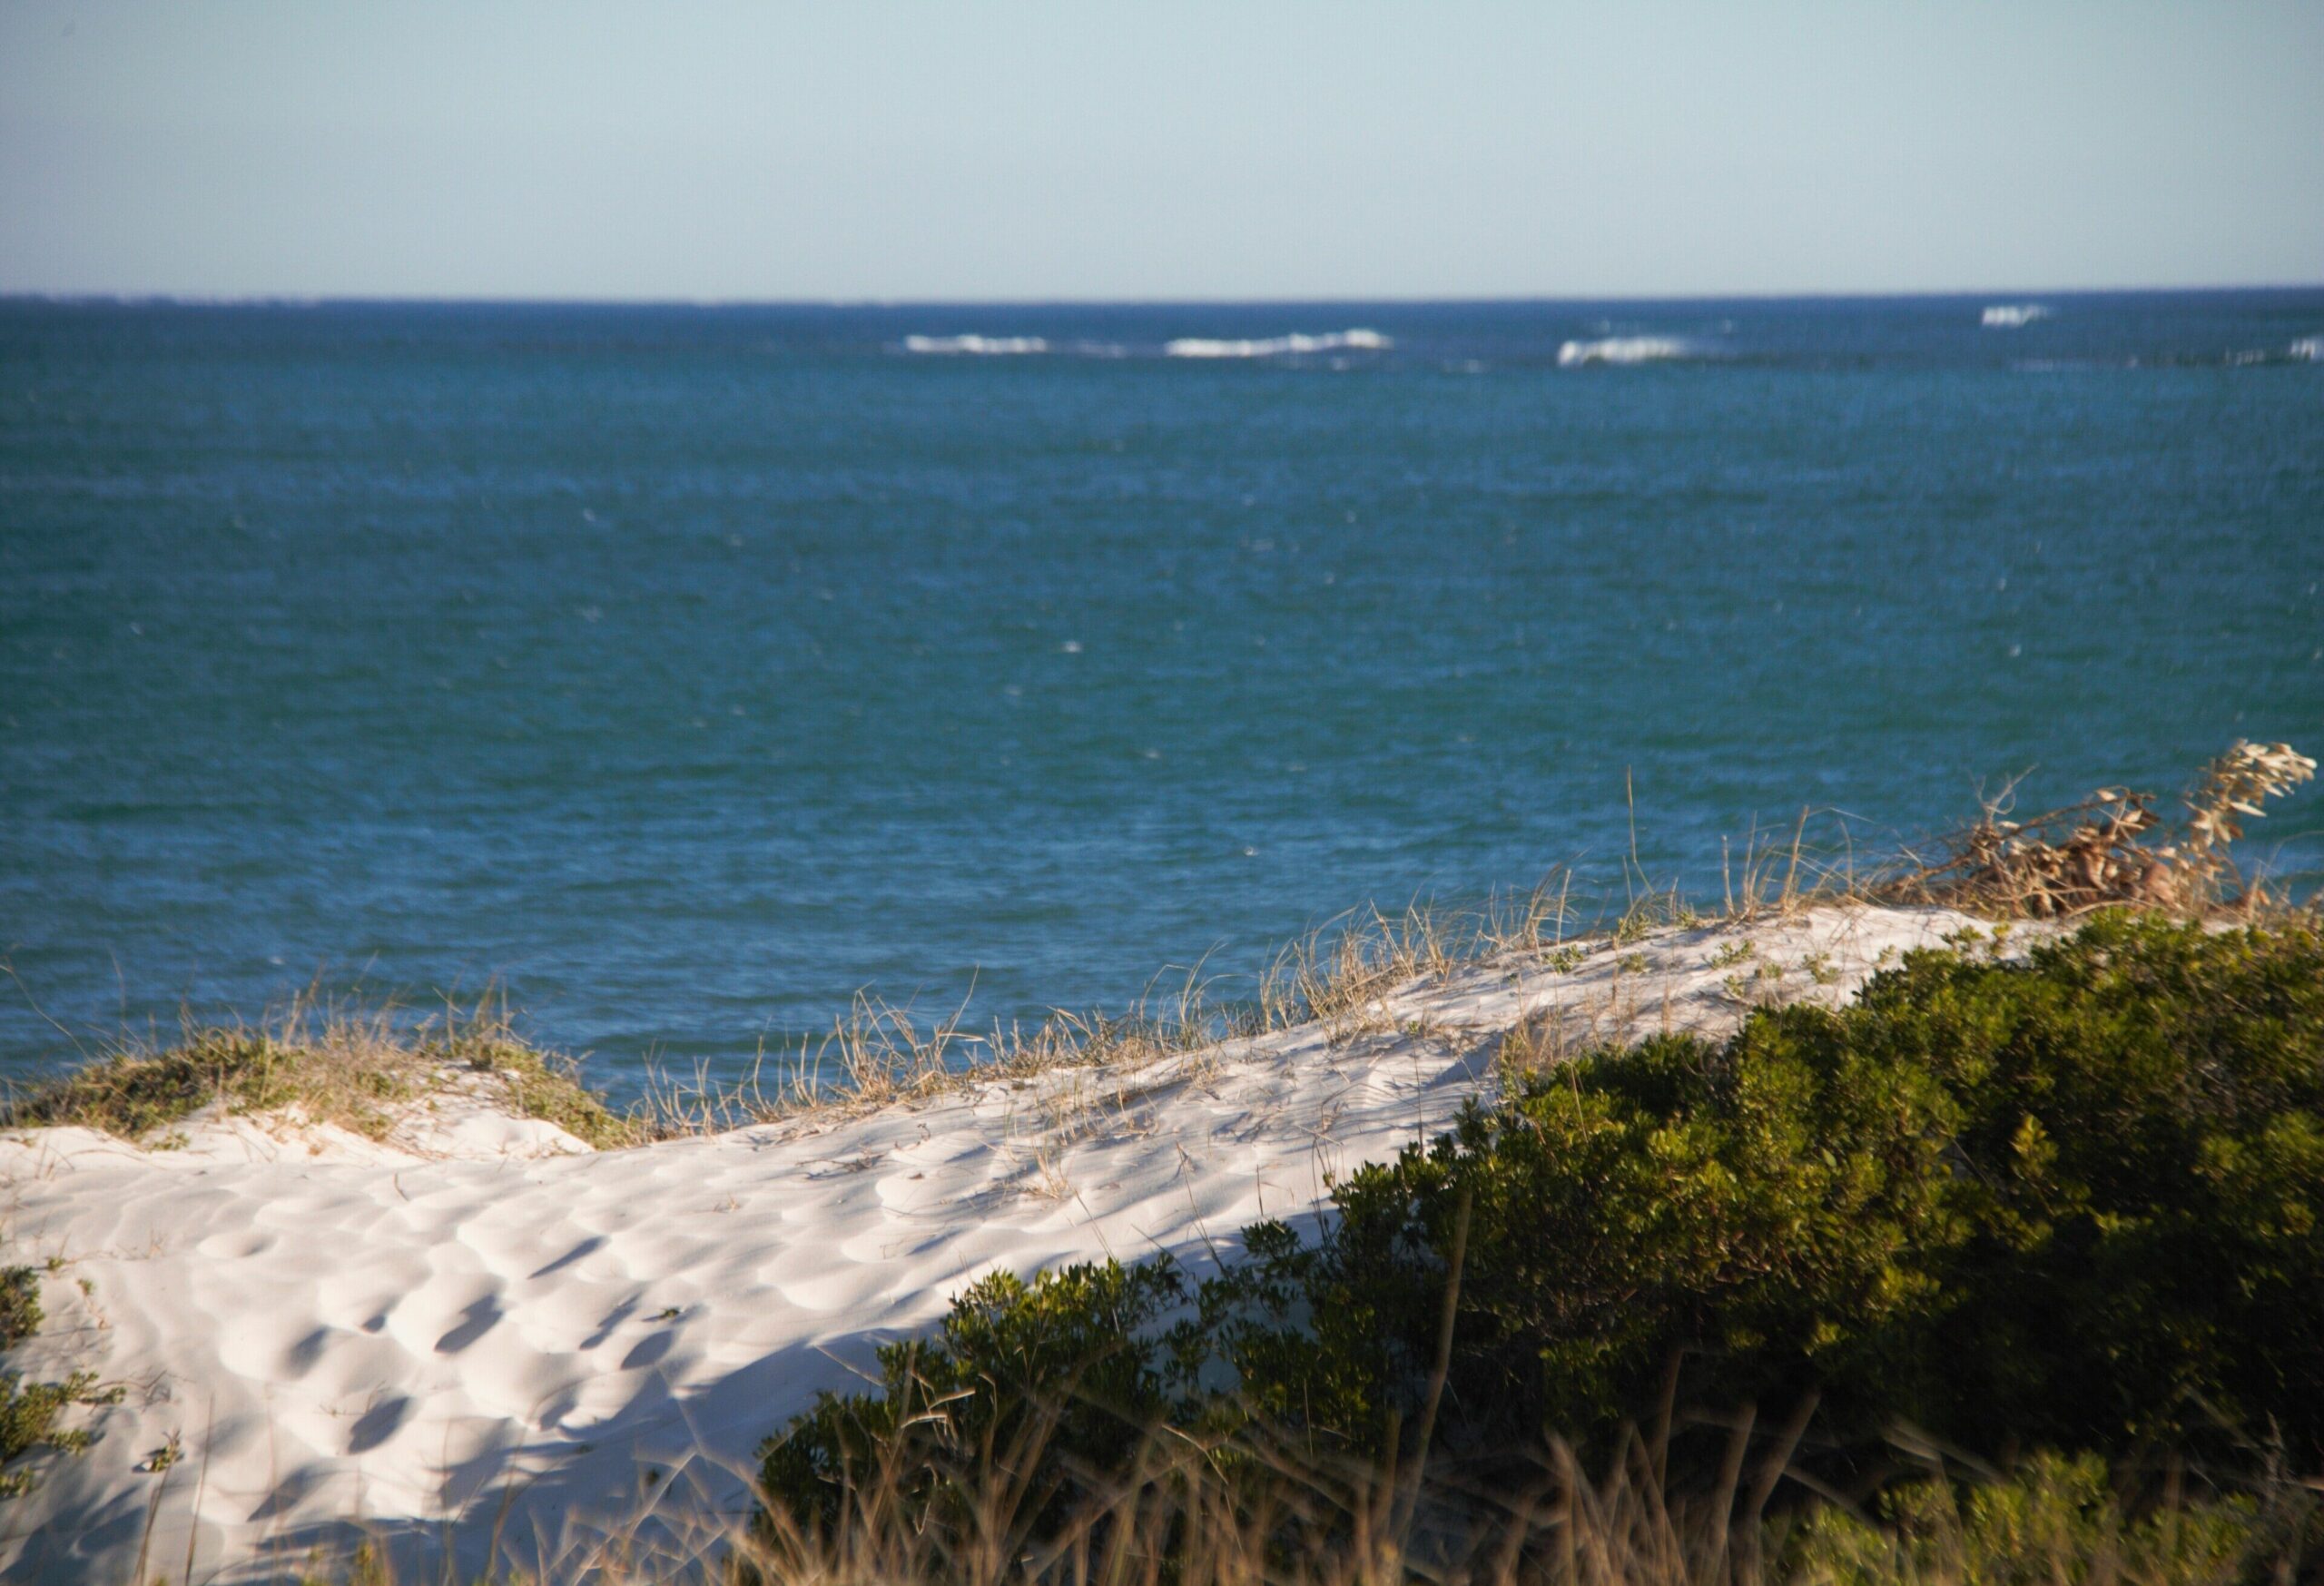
494	299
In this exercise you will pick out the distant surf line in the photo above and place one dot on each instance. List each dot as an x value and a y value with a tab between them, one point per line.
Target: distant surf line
2012	316
1357	339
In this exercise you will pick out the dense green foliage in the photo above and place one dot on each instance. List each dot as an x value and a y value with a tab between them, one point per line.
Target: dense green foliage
2074	1201
2070	1202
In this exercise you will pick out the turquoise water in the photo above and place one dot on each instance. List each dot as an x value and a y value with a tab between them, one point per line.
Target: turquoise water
685	670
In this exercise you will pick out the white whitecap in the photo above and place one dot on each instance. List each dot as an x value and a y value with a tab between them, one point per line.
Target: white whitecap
985	346
1623	350
2310	347
1358	339
2012	316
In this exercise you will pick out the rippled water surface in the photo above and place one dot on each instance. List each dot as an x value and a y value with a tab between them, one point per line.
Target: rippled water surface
686	669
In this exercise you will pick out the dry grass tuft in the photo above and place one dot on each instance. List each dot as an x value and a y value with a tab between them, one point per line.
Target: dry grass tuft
878	1053
1338	973
1253	1511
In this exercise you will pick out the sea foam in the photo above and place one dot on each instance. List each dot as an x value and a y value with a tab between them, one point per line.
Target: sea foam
1355	340
2310	347
1623	350
988	346
2012	316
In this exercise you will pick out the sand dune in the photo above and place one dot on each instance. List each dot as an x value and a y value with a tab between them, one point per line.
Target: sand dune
485	1332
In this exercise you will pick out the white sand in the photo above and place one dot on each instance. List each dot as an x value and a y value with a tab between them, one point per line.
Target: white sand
485	1328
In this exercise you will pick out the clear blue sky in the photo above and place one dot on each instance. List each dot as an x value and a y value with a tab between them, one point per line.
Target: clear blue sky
1263	148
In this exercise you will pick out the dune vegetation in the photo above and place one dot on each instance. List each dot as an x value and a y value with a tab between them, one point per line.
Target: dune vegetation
2010	1269
2060	1215
310	1066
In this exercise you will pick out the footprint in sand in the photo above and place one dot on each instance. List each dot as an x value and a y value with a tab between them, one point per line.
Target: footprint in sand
581	1252
378	1424
300	1357
482	1316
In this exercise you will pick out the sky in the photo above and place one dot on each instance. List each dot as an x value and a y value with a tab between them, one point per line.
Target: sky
1016	149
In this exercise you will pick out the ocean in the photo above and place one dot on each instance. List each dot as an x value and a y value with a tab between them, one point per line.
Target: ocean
683	671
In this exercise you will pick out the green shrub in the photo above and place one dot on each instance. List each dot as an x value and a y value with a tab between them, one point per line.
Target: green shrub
20	1313
2056	1523
1023	1387
28	1415
2072	1202
29	1412
2140	1164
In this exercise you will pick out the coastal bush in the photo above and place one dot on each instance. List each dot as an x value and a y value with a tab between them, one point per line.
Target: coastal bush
2069	1202
2075	1201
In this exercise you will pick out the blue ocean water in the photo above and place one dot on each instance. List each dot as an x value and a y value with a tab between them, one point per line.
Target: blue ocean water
686	669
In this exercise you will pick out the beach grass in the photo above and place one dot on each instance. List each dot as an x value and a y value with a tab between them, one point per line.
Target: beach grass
359	1071
1269	1510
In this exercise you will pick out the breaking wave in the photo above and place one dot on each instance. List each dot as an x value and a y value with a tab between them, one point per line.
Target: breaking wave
2012	316
2310	347
984	346
1623	350
1356	341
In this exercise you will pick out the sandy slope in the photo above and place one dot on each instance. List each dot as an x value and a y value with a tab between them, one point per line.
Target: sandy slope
485	1325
